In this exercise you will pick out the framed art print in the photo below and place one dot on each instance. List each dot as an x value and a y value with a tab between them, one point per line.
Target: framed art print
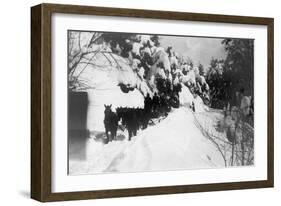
130	102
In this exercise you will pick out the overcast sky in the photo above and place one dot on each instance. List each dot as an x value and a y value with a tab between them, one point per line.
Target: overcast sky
197	48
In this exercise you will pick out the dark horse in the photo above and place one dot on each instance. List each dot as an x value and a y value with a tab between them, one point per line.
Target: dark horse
130	119
110	123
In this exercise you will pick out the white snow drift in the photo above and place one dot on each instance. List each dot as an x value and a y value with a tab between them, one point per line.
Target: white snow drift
174	143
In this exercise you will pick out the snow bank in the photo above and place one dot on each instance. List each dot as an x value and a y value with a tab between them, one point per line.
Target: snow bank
199	104
173	144
185	96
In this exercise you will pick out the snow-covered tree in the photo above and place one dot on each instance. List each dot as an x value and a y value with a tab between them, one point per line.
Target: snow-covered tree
201	69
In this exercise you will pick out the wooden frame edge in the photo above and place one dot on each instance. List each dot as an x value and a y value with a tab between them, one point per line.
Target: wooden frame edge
157	14
36	139
166	190
270	101
40	103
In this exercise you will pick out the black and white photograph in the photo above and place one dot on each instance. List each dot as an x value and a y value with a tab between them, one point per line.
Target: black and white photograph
155	102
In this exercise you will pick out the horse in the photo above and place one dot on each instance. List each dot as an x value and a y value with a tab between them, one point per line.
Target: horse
110	123
148	104
130	120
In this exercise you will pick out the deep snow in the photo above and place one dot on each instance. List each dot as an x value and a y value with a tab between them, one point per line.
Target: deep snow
174	143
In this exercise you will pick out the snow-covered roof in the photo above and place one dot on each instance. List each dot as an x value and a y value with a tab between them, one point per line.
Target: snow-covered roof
100	74
94	68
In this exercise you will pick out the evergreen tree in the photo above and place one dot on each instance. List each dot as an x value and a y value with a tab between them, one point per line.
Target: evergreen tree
201	69
239	63
235	73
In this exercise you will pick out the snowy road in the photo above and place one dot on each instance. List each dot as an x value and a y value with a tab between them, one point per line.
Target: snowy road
175	143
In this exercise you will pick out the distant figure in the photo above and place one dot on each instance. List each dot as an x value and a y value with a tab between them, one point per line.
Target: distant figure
245	105
110	123
193	107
